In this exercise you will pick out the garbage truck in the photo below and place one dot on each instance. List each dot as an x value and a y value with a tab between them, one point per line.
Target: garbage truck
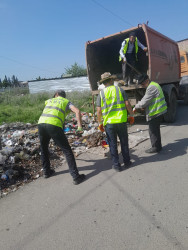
161	63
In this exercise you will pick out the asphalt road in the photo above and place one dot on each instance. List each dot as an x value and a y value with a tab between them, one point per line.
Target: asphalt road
142	208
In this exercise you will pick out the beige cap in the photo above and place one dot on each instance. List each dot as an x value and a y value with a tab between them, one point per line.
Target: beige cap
107	76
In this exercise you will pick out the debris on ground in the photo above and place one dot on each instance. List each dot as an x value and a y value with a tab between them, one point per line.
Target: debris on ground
20	149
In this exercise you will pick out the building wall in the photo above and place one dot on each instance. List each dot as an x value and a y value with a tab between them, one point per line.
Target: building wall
183	45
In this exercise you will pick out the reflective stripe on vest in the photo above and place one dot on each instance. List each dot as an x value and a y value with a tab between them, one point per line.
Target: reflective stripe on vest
113	105
126	47
158	104
54	111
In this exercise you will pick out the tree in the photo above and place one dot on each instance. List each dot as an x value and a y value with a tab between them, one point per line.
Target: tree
15	81
9	82
76	70
5	82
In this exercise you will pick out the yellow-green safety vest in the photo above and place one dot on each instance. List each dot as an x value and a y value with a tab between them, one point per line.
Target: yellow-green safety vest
126	47
158	105
113	105
54	111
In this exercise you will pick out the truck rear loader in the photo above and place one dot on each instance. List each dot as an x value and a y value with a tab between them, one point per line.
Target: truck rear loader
161	63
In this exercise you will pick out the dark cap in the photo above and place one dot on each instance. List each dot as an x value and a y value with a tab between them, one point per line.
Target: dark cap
132	34
142	78
60	92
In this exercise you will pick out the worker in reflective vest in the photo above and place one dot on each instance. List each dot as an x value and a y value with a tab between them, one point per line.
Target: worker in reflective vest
128	53
50	125
155	106
112	106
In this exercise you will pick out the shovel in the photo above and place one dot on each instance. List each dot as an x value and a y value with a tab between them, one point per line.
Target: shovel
133	68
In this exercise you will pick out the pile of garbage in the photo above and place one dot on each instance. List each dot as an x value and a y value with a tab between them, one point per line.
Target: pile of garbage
20	150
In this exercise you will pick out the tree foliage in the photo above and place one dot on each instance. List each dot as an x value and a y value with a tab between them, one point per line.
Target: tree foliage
76	70
7	82
39	78
15	81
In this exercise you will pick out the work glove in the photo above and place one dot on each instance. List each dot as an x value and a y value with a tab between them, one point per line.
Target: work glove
134	110
101	128
124	59
131	120
79	130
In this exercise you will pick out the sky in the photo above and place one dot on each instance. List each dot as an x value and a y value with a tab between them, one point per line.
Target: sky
44	37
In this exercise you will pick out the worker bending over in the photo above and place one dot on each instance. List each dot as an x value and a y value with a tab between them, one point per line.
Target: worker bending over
50	125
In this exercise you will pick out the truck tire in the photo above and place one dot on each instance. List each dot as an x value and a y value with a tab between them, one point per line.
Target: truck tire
172	107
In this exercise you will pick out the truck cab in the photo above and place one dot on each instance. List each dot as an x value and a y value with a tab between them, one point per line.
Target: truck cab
184	63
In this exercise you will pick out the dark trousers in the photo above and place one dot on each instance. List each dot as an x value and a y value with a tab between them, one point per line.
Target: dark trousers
154	132
48	131
127	71
120	130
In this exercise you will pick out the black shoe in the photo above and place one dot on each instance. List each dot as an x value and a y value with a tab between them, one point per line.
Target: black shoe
79	179
130	82
49	173
153	150
117	169
127	165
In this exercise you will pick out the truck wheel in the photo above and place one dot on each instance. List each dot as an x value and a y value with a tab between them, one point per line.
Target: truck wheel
171	111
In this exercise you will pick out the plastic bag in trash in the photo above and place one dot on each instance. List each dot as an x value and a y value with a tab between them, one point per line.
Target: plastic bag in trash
2	159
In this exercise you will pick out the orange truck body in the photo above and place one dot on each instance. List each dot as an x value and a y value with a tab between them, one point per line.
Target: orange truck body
161	63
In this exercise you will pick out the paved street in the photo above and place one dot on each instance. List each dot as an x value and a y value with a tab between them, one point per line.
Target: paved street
142	208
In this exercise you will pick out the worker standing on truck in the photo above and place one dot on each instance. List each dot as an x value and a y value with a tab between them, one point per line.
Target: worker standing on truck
155	106
112	106
128	53
50	125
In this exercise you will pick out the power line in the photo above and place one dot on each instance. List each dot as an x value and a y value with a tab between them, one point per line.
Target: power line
27	65
112	13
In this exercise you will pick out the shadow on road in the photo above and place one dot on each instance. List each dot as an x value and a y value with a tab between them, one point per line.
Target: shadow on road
97	167
170	151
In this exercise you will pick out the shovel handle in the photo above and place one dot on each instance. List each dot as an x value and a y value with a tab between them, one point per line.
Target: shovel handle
133	68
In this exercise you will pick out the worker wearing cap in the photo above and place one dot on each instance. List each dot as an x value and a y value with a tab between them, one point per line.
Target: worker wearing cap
155	106
112	106
50	125
128	53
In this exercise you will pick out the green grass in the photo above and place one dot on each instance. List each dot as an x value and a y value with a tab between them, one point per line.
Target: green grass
19	106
